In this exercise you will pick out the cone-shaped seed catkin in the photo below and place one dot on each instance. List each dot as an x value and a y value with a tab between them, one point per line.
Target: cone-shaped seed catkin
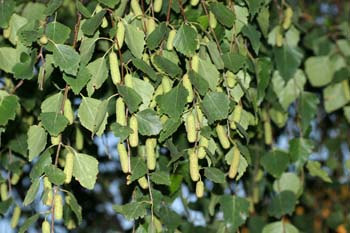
200	189
194	168
123	157
134	136
220	130
234	163
191	128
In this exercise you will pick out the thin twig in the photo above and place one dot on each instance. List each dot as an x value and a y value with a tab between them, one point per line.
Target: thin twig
120	57
66	89
168	13
182	11
210	28
143	17
151	198
151	6
17	86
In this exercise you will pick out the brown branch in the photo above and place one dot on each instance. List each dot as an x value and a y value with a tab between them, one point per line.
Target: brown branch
210	28
76	30
120	57
182	11
151	6
66	89
279	9
168	13
17	86
143	17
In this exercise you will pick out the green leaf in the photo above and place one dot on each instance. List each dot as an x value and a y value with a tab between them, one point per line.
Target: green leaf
34	11
74	205
85	170
185	40
315	169
173	102
66	58
133	210
313	66
235	209
209	72
242	16
149	122
170	127
8	59
288	59
93	114
83	10
198	82
79	82
6	9
53	6
5	205
19	144
278	227
281	204
161	178
166	66
234	61
109	3
39	167
225	16
253	35
29	221
347	113
87	48
300	150
131	98
53	122
138	168
29	33
52	103
290	91
37	138
31	193
336	96
55	175
99	73
288	182
134	38
8	106
16	22
145	90
156	37
56	32
215	106
264	20
275	162
90	25
264	67
344	46
24	69
214	174
307	108
120	131
242	167
215	55
170	218
292	36
145	68
254	6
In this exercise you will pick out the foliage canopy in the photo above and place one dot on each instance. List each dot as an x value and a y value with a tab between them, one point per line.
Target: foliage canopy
179	116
